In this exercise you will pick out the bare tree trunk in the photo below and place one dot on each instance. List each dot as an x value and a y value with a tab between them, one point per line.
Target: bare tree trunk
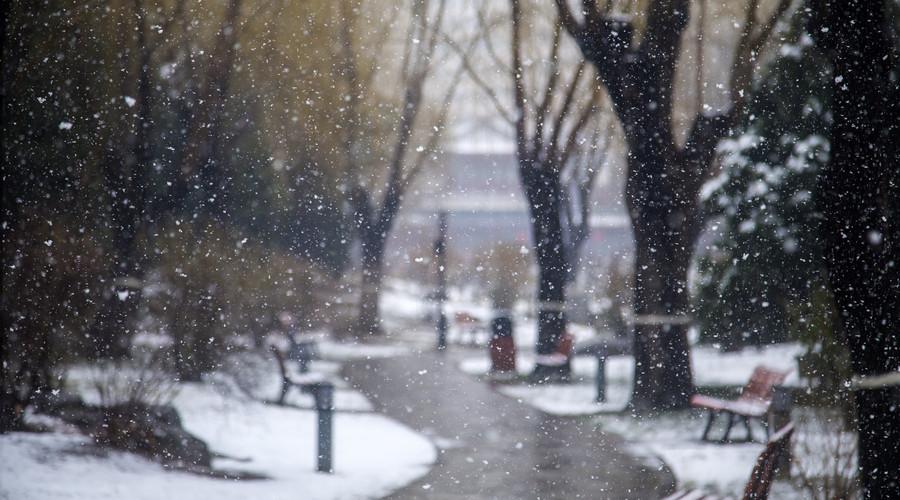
369	319
665	228
544	193
372	229
543	151
662	376
858	202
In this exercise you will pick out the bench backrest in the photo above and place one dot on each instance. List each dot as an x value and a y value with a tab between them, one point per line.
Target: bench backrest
464	318
761	383
767	464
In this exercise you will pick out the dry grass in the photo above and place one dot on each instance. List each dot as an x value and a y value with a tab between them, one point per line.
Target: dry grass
825	459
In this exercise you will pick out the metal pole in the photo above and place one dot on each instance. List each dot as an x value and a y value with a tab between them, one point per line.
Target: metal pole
440	251
601	377
324	394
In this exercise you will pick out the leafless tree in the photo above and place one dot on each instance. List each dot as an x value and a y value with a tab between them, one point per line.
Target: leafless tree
560	144
375	208
663	177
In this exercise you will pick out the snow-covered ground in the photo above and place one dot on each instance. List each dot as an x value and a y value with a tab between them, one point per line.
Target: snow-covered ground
406	301
373	454
711	368
674	438
726	468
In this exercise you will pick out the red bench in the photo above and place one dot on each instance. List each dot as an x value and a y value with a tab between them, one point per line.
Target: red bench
754	402
767	464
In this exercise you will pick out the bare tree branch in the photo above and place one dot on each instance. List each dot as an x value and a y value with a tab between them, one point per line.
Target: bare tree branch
586	114
379	39
541	115
521	124
485	27
435	134
754	36
487	89
564	111
348	12
435	31
411	107
568	19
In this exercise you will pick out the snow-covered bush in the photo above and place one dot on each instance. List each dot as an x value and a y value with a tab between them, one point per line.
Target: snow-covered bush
764	255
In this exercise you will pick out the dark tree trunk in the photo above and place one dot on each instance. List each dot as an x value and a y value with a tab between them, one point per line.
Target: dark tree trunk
857	198
372	228
663	182
663	247
665	229
369	319
544	192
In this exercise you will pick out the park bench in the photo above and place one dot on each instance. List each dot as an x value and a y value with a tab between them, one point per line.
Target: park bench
303	351
753	403
322	392
602	348
772	458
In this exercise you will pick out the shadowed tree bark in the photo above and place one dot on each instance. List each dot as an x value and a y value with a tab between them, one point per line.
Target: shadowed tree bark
663	177
858	193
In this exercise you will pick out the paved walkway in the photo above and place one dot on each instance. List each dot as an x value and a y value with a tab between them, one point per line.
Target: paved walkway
492	446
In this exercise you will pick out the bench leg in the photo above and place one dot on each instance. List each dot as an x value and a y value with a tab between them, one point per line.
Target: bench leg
709	423
728	427
601	378
749	430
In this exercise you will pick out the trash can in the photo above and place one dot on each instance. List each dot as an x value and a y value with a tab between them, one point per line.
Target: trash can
502	348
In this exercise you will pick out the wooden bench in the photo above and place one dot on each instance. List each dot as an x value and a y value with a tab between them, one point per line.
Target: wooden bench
754	402
308	383
760	483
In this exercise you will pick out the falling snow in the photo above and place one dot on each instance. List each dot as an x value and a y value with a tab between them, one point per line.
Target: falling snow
426	249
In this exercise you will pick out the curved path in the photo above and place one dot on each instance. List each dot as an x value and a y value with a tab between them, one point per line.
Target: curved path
492	446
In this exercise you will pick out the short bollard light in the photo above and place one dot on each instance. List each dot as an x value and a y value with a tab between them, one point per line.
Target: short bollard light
601	377
440	254
324	395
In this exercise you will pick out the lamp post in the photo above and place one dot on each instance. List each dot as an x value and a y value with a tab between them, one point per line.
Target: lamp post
440	251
